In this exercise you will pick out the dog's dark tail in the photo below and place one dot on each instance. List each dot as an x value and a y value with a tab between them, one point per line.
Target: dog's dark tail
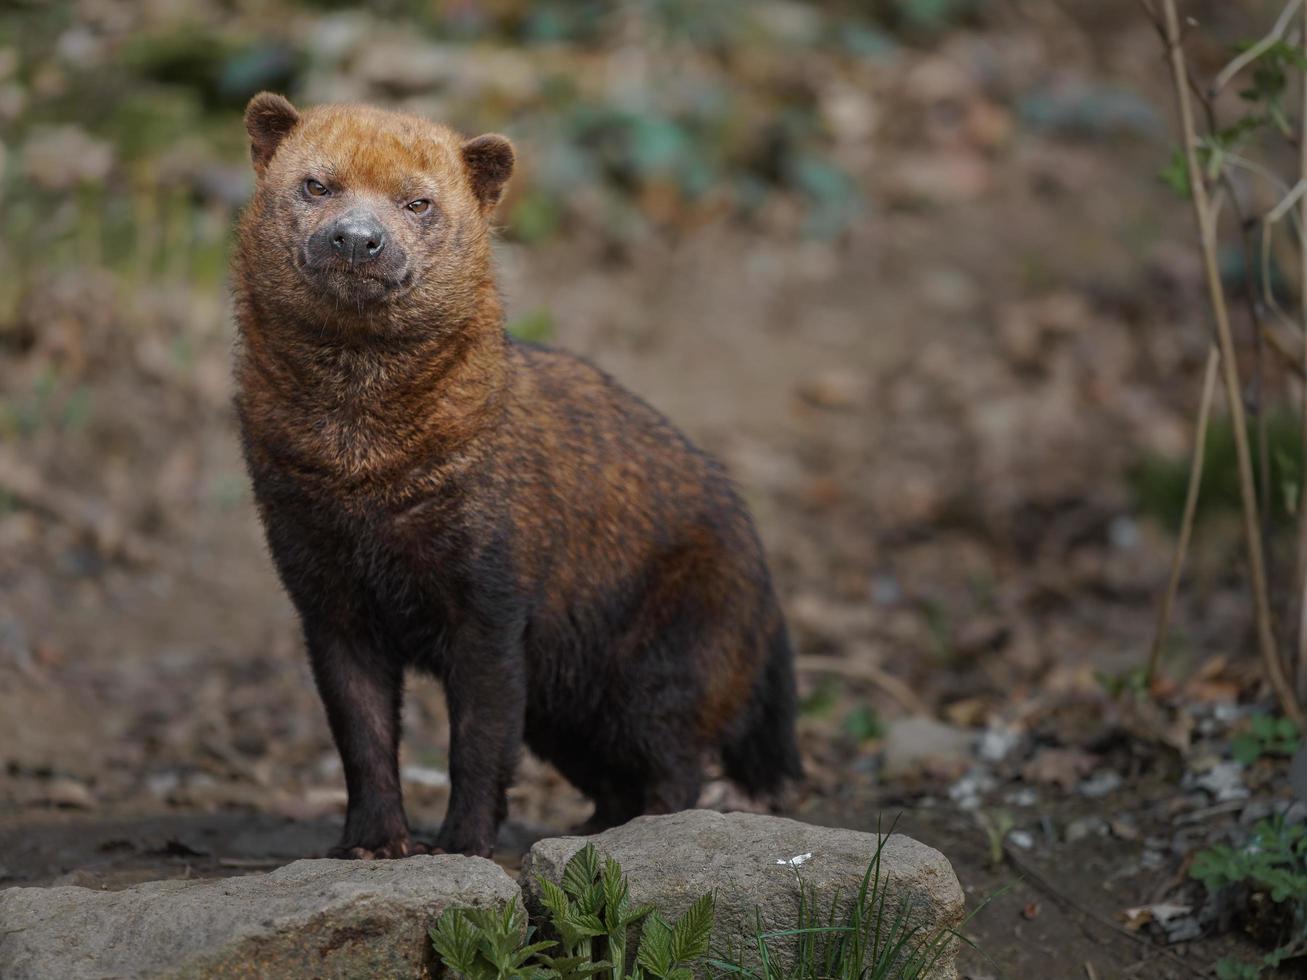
762	755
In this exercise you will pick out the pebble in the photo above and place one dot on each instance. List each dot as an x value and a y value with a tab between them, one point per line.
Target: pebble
425	776
1083	827
1024	796
997	743
1101	783
1022	839
64	792
913	743
967	791
1223	781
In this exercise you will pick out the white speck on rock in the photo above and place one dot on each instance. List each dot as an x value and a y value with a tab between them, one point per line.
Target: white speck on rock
797	860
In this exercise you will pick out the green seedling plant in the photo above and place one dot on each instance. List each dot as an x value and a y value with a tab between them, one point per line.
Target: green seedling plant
591	913
1272	862
1267	736
489	944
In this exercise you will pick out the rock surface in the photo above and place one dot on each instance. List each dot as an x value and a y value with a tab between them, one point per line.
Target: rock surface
310	918
754	861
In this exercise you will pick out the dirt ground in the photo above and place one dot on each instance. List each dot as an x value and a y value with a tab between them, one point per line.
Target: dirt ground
934	417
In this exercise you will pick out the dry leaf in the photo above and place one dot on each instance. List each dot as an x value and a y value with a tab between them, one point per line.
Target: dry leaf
1063	768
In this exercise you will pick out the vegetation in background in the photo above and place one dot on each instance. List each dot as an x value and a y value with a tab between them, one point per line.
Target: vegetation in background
536	326
860	722
1267	735
1215	155
1159	482
142	120
1271	868
1259	462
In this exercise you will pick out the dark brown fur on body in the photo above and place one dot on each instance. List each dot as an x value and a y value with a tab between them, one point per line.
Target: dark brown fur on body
439	496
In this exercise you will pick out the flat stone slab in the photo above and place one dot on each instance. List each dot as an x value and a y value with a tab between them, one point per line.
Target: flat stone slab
754	862
309	919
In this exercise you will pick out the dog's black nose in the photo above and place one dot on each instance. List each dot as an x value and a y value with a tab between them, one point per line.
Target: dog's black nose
358	237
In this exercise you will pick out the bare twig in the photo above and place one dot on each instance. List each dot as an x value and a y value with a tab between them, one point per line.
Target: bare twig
863	670
1256	400
1290	348
1257	50
1288	206
1190	509
1301	667
1229	368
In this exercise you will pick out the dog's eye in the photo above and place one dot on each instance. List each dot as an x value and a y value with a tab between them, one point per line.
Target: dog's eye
420	206
315	188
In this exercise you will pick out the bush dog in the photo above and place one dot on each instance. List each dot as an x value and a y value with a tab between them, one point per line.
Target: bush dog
438	495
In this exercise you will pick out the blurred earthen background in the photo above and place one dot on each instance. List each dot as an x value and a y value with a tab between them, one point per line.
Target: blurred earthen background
906	265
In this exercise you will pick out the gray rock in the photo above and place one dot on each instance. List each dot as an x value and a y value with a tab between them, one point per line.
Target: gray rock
998	742
1223	780
920	742
1023	839
968	790
1101	783
1083	827
310	918
755	862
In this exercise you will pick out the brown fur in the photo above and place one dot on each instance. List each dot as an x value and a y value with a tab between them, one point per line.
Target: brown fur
439	496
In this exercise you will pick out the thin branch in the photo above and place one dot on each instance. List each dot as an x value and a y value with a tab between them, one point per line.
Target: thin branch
1229	369
1257	50
1292	197
1253	167
1290	350
1268	290
863	670
1256	400
1190	509
1301	666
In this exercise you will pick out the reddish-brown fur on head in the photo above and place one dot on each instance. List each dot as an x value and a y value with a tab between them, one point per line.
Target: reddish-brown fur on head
333	161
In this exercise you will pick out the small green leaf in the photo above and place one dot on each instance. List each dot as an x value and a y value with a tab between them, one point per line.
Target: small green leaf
692	930
1176	174
554	899
655	952
1246	748
581	872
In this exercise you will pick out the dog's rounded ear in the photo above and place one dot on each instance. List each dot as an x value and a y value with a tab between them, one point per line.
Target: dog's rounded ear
489	162
268	118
